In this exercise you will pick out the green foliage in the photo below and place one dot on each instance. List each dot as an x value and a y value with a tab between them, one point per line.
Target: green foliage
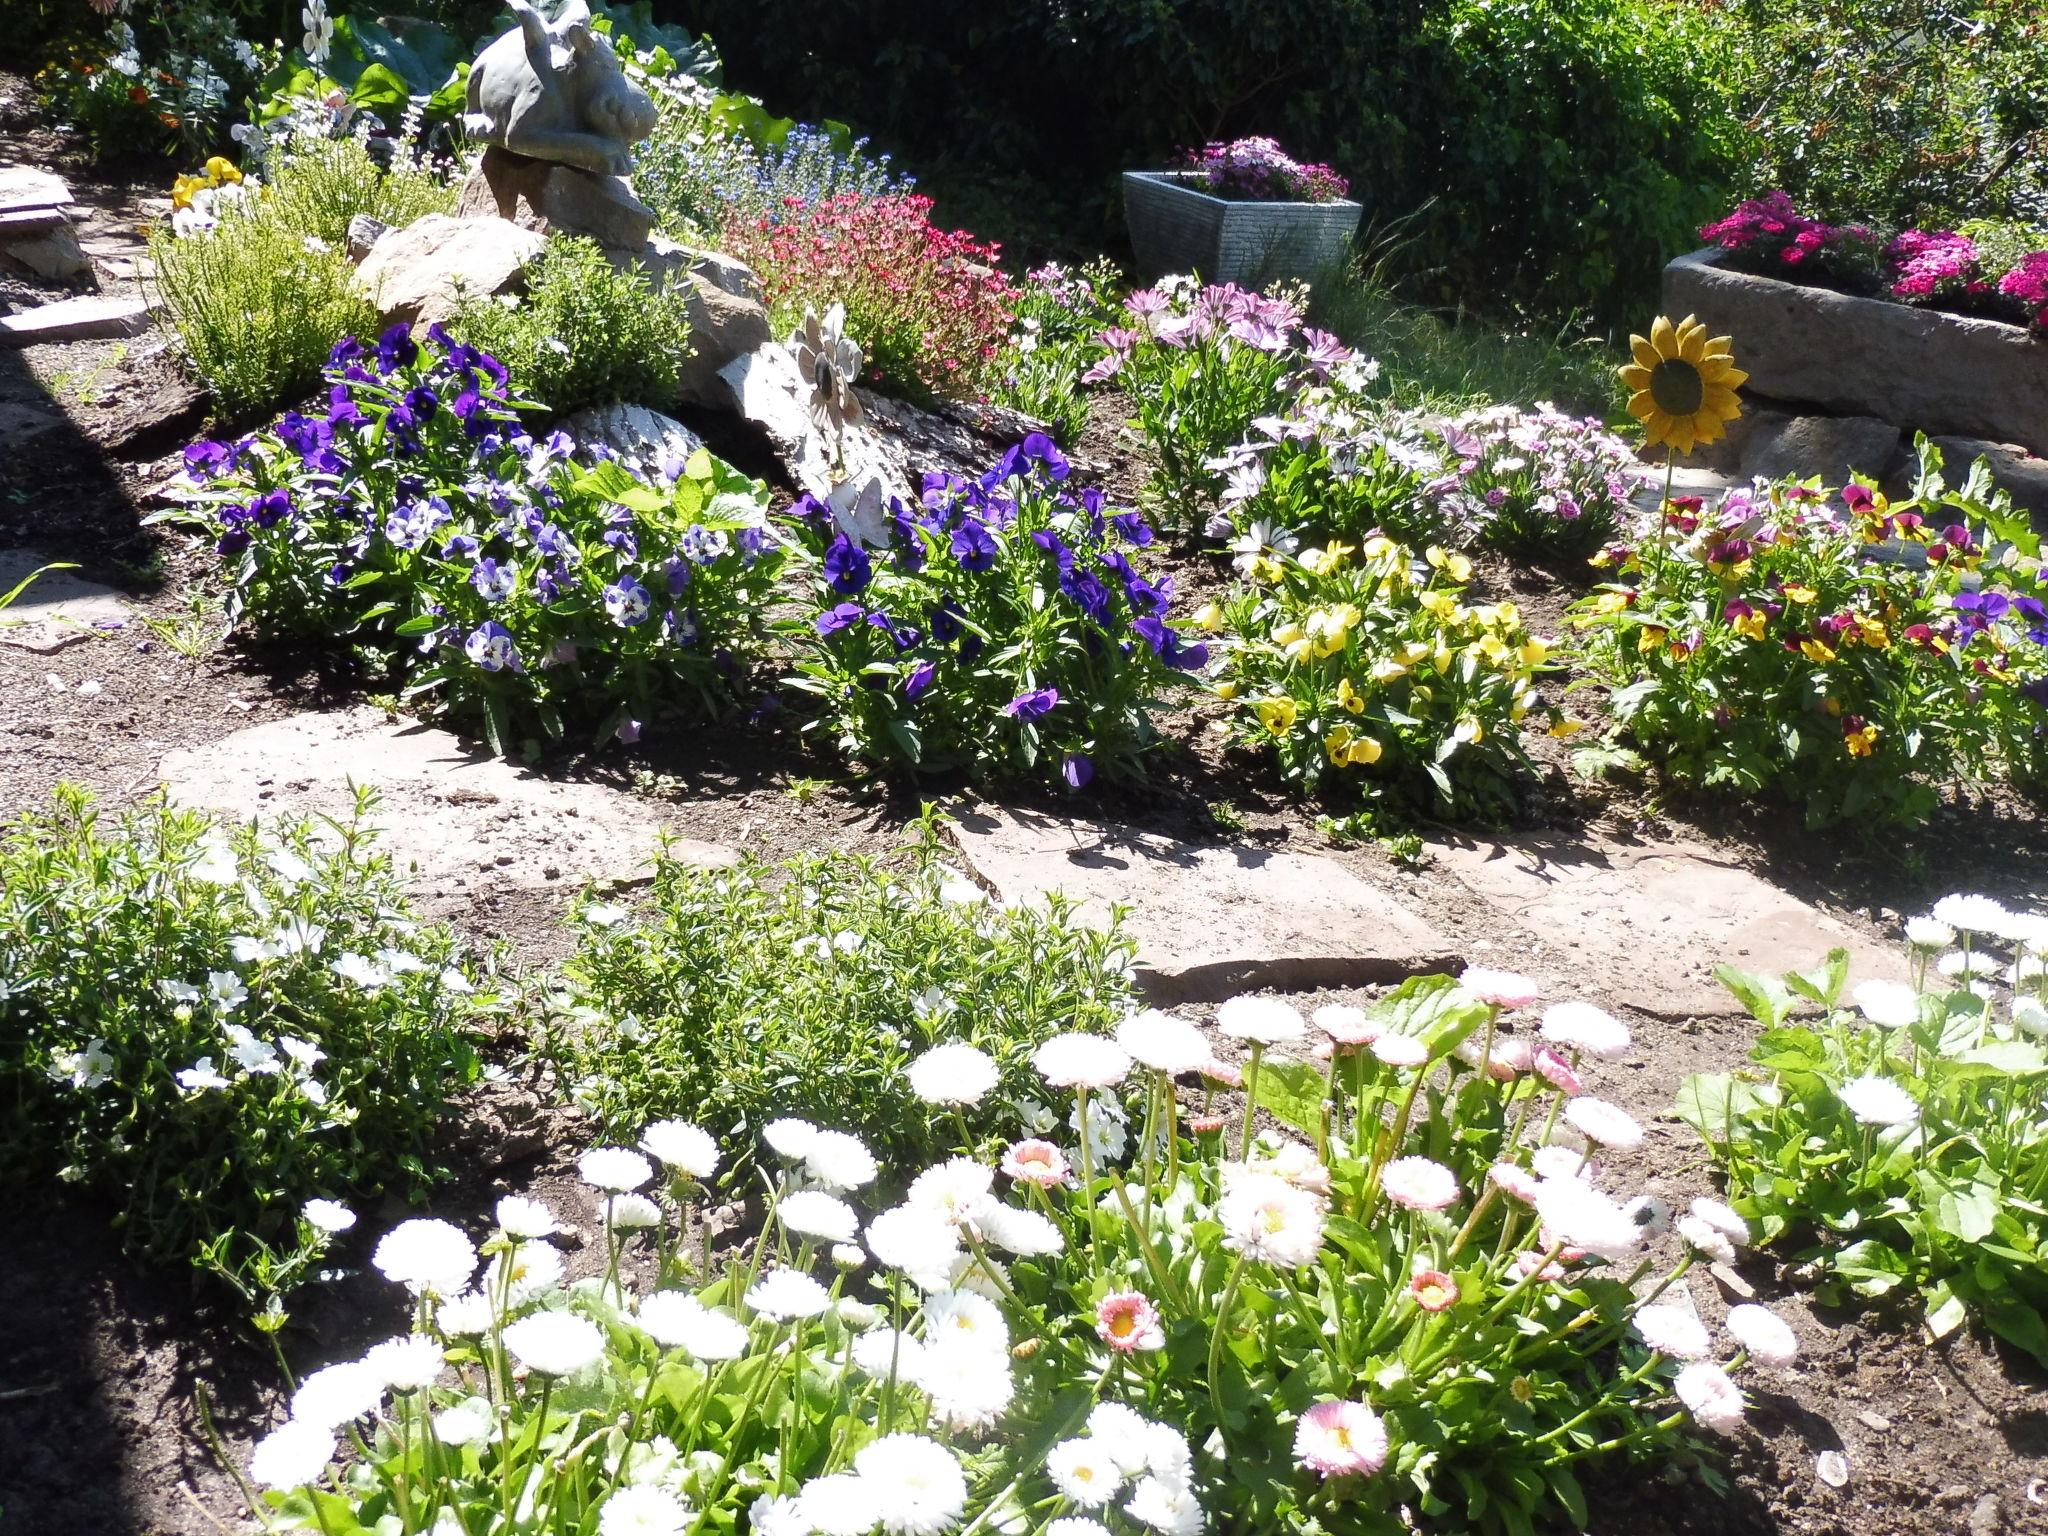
803	989
260	300
586	332
206	1027
1767	647
1897	1152
1906	112
1060	316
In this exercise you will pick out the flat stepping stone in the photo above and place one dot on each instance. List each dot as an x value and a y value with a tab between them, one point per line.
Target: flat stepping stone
1209	921
57	608
24	189
1661	916
458	821
90	317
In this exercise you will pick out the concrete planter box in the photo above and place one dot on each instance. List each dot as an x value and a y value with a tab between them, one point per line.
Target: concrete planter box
1919	369
1177	227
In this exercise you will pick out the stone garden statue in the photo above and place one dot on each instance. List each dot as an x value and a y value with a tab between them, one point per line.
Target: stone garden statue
554	91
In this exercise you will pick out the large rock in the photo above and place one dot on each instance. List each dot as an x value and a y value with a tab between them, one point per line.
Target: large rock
1829	446
1919	369
460	822
641	439
2020	474
1652	920
549	198
89	317
53	253
1209	921
424	272
57	608
727	320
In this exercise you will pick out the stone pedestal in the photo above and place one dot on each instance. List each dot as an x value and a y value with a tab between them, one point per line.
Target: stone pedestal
556	199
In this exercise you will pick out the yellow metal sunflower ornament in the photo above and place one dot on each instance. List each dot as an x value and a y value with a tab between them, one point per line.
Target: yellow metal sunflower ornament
1682	384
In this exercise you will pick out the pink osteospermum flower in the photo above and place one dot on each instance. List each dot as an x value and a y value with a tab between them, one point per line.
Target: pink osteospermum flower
1347	1025
1419	1183
1036	1162
1433	1290
1339	1439
1128	1322
1556	1071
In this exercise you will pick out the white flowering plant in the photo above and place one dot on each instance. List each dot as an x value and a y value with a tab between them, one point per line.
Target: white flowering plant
811	986
534	586
1897	1145
208	1028
1422	1300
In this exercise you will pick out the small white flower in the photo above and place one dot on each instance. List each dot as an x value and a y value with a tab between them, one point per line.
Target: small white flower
790	1139
1081	1061
227	990
555	1343
1707	1238
1260	1020
840	1504
1582	1217
1926	933
361	971
1723	1219
837	1161
304	1054
953	1074
605	914
87	1068
677	1320
1888	1004
251	1054
1027	1234
523	1218
677	1144
179	991
1767	1336
1084	1472
1166	1506
778	1514
329	1216
336	1395
1582	1027
916	1242
642	1510
426	1256
959	1191
1164	1043
200	1076
1673	1331
618	1169
1879	1101
1608	1124
968	1388
784	1295
813	1213
918	1484
1267	1219
467	1423
405	1364
465	1315
524	1273
1419	1184
291	1455
1973	914
1710	1397
631	1213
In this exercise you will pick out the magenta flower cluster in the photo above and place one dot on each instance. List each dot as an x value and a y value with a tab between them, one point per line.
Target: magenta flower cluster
1771	229
1260	170
1940	264
2028	283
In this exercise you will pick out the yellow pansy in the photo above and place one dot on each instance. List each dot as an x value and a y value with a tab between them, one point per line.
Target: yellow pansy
1751	624
1442	658
221	171
1651	638
1831	706
1349	698
183	189
1288	633
1210	617
1347	747
1492	647
1816	650
1264	568
1872	632
1469	731
1861	743
1797	594
1379	547
1454	565
1277	715
1534	651
1409	654
1229	689
1388	671
1566	728
1326	561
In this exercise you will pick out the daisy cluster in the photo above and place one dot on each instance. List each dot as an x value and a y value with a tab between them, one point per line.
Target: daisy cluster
1914	1120
525	581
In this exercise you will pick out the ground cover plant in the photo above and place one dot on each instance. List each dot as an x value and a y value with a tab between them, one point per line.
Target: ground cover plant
507	583
739	994
1894	1147
1366	663
586	332
930	307
1000	626
1414	1297
223	1032
1766	644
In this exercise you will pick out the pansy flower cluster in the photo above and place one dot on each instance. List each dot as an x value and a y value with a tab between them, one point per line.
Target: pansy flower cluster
1259	170
998	625
1854	652
528	582
1365	657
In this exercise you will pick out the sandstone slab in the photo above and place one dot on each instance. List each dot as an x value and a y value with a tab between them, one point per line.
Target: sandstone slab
645	441
459	822
89	317
424	272
54	254
1209	921
1919	369
23	188
1832	447
1658	916
57	608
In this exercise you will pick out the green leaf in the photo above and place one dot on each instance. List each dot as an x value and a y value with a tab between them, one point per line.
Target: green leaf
1292	1091
1871	1268
1764	996
1965	1211
1945	1311
1823	985
1716	1104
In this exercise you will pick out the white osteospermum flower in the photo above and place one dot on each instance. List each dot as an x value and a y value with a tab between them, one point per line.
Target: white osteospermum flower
291	1455
329	1216
1084	1472
841	1504
1879	1101
1973	914
1081	1061
1164	1043
618	1169
469	1422
1767	1336
524	1218
336	1395
1673	1331
426	1256
555	1343
1608	1124
641	1510
838	1162
1582	1217
916	1242
1888	1004
1710	1397
813	1213
919	1486
1260	1020
1268	1219
1582	1027
788	1294
953	1074
682	1146
405	1364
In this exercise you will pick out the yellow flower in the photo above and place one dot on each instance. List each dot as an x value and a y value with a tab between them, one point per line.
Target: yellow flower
1469	731
1682	384
1861	743
220	171
1264	568
1534	652
1287	634
1229	689
1378	547
1328	628
1492	648
1800	594
1325	561
1650	638
183	188
1452	564
1440	603
1347	747
1751	624
1566	728
1349	698
1816	650
1873	632
1409	654
1209	617
1832	706
1277	715
1388	671
1441	658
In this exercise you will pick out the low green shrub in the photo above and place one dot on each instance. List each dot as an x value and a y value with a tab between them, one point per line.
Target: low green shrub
586	332
208	1027
742	994
1896	1147
322	184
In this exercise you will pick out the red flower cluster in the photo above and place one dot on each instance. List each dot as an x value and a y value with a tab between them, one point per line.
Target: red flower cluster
928	306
